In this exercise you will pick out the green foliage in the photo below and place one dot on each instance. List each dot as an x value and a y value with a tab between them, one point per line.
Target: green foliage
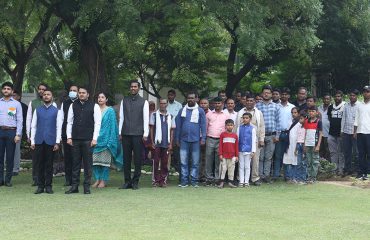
326	169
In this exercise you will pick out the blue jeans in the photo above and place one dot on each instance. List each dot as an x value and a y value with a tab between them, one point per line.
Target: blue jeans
350	153
290	170
301	170
187	148
280	148
7	145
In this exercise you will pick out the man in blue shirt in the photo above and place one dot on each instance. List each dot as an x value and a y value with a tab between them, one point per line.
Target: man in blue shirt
190	130
11	121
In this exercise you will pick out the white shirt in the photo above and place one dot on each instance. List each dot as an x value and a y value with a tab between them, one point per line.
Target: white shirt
232	115
97	121
362	119
324	120
145	118
174	108
59	123
29	118
285	115
61	108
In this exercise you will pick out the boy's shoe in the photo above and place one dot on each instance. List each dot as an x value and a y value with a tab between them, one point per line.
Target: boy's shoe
301	183
241	185
184	186
246	184
221	185
195	185
232	185
257	183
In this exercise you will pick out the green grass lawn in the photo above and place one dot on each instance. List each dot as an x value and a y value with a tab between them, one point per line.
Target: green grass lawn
277	211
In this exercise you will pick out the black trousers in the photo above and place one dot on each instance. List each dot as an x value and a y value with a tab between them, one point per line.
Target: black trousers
35	166
67	155
7	145
132	144
81	149
363	145
44	155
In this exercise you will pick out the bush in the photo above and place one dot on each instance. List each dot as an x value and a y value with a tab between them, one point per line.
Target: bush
326	169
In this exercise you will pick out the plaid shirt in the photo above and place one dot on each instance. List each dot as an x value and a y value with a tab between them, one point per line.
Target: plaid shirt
348	120
271	116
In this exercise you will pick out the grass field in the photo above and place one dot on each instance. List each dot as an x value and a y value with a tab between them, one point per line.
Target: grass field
277	211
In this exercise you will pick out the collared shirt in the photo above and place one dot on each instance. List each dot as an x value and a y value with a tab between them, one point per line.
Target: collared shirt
97	121
349	115
189	131
285	115
271	116
216	123
232	115
362	119
324	120
11	114
257	120
30	111
59	123
174	108
301	133
146	117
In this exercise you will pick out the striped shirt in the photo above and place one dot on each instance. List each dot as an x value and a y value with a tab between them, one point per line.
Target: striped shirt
349	115
271	116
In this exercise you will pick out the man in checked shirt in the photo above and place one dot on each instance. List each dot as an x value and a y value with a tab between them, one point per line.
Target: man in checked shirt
271	116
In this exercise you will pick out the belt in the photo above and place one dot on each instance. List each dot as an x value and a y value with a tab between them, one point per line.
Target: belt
7	128
270	134
214	138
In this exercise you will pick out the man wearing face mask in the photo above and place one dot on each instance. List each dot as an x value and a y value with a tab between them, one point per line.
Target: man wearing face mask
31	108
67	149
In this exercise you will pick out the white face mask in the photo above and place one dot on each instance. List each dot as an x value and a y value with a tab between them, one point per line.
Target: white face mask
72	95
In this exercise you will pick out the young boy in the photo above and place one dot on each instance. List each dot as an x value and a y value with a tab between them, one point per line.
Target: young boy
312	143
161	133
301	171
228	152
247	148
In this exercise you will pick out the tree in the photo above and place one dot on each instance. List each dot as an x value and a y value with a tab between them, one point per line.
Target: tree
262	33
23	26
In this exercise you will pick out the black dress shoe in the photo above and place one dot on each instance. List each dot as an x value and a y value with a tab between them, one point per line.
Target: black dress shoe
87	190
72	190
126	186
39	190
8	184
49	190
135	186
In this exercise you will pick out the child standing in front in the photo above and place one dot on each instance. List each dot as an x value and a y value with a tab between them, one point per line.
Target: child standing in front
301	171
312	143
228	153
247	148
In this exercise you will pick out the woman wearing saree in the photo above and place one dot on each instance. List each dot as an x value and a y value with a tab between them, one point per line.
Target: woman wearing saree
108	149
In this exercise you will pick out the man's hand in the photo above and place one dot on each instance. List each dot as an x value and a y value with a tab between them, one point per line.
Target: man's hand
236	159
177	143
33	146
221	157
17	139
295	152
202	142
29	140
152	145
252	154
275	140
355	136
145	139
305	149
69	141
56	147
120	137
93	143
317	148
169	148
261	144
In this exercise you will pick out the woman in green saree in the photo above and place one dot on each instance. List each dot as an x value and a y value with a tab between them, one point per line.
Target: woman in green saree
108	149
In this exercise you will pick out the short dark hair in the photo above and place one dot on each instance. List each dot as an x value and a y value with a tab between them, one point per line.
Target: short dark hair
73	85
16	92
84	87
312	108
229	121
171	91
326	94
43	84
339	92
295	108
354	91
217	99
267	87
311	97
48	90
302	88
247	114
221	91
7	84
285	90
230	99
163	99
192	92
276	90
135	81
250	95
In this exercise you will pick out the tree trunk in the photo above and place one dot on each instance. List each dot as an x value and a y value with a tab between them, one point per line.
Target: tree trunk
92	60
18	77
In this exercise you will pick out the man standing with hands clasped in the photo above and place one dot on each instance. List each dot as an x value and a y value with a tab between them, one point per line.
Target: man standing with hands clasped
83	127
46	130
134	130
11	121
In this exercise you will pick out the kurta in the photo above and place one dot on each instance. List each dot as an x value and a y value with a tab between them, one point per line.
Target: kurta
289	156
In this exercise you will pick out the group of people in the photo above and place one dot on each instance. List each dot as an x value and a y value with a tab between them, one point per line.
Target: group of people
236	141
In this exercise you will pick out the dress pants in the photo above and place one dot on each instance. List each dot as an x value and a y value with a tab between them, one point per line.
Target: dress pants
336	152
81	149
266	154
363	144
7	145
67	155
17	157
350	153
132	144
45	155
160	165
